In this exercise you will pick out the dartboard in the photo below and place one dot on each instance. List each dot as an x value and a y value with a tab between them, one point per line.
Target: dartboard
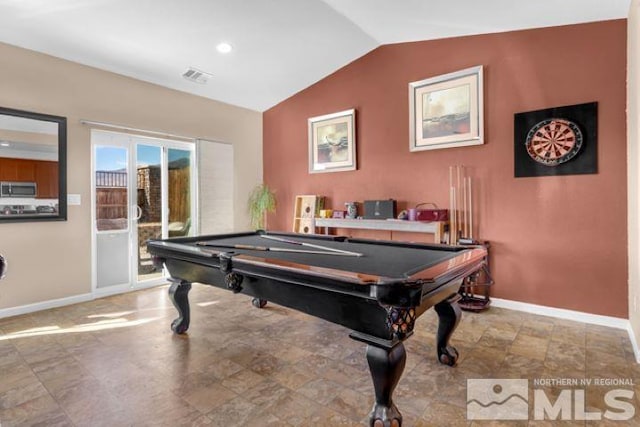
554	141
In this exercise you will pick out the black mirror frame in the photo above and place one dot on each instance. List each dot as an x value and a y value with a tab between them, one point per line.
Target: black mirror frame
62	165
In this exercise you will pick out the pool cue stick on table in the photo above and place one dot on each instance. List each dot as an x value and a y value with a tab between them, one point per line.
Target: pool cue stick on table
274	249
311	245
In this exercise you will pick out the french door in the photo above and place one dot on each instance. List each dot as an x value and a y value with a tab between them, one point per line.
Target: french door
142	188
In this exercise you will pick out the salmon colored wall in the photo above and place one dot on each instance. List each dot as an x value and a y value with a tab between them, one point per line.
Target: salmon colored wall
555	241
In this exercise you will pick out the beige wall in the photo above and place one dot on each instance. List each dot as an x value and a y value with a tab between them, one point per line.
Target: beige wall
633	165
51	260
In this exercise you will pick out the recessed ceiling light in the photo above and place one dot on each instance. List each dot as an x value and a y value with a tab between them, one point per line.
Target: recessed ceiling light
224	47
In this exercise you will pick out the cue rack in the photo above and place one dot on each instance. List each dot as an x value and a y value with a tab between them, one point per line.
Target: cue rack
474	291
460	205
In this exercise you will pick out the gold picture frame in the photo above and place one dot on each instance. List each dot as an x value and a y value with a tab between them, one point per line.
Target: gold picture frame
447	110
332	142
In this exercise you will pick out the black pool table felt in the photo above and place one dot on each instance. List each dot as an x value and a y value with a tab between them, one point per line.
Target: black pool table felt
396	261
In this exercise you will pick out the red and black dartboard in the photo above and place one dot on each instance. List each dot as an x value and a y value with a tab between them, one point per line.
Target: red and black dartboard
554	141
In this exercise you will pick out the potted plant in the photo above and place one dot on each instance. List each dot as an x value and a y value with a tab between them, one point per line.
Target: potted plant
261	201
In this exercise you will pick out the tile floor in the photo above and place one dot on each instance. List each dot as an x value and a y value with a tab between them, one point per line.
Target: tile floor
114	362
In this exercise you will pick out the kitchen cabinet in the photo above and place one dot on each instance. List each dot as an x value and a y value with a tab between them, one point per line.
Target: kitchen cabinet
43	173
21	170
8	169
46	178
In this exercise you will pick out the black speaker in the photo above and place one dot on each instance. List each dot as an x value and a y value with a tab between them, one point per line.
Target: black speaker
379	209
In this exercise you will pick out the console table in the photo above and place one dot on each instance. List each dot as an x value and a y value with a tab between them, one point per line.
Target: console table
434	227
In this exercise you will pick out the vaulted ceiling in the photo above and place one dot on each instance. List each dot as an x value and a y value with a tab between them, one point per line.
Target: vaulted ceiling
279	47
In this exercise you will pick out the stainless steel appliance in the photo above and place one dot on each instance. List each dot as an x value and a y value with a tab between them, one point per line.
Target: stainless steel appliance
18	189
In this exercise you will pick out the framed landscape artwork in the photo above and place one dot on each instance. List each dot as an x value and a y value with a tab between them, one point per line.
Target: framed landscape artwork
446	111
332	142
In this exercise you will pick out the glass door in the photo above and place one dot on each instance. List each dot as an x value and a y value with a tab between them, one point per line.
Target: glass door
179	192
143	188
112	228
163	210
148	218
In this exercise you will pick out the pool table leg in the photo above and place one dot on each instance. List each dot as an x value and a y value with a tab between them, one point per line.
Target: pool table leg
449	315
386	366
179	296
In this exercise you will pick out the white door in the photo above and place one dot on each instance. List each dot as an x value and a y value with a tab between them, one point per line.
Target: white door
142	188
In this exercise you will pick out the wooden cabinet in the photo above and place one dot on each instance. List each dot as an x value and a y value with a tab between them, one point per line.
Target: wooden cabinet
8	169
46	178
26	170
43	173
21	170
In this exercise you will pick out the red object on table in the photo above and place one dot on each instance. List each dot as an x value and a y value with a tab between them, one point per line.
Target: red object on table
434	214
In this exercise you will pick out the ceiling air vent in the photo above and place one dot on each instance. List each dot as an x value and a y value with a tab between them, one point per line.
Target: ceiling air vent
197	76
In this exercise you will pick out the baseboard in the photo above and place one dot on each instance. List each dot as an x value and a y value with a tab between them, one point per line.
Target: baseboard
578	316
116	290
44	305
634	343
561	313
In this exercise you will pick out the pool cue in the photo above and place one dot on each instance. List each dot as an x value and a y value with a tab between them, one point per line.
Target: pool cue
452	207
468	195
470	211
465	220
452	220
458	216
272	249
454	226
310	245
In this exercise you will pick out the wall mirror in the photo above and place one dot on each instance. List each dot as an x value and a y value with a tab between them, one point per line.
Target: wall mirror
33	158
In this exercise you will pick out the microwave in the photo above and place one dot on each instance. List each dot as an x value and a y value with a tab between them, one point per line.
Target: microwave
18	189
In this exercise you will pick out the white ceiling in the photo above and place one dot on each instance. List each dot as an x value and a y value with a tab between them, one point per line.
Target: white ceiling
280	46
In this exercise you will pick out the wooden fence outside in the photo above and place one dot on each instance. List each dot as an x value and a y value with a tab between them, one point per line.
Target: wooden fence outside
179	194
111	202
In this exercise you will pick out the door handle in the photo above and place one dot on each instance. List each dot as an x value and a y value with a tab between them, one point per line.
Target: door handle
138	213
3	267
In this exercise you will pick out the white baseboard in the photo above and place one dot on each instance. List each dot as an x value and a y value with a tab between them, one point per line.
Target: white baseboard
561	313
116	290
44	305
634	343
578	316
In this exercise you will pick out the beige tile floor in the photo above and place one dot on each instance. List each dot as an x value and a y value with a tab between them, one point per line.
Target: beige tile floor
114	362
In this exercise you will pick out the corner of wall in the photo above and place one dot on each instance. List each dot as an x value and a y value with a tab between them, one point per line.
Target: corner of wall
633	173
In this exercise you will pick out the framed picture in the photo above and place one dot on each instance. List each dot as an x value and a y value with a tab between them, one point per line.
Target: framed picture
556	141
446	111
332	142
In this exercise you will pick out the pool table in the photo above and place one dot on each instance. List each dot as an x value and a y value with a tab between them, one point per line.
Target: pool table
377	289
